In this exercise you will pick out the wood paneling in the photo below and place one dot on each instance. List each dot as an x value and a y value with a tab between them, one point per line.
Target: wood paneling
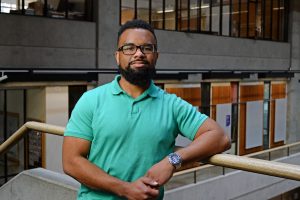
278	91
221	94
191	95
251	92
213	112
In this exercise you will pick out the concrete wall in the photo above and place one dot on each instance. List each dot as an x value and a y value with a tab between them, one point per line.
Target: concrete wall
27	41
39	184
293	119
199	51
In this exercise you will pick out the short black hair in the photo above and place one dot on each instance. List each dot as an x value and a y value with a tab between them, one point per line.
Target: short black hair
135	23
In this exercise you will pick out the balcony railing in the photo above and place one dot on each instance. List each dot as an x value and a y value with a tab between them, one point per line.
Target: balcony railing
245	163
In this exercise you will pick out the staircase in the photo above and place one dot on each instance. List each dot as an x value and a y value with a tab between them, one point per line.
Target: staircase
40	184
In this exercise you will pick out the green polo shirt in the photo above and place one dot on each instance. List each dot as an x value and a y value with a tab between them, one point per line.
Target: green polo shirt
129	135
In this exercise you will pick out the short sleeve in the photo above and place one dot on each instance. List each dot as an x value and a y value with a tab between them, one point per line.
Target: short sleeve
80	123
188	118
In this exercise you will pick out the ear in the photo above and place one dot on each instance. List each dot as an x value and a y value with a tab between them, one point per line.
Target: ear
157	55
117	53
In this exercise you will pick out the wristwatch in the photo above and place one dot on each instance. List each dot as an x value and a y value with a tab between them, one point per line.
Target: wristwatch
175	160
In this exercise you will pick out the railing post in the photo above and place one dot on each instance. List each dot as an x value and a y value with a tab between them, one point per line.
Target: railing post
26	152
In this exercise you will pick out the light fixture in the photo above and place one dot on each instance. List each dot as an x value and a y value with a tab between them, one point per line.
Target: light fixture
3	77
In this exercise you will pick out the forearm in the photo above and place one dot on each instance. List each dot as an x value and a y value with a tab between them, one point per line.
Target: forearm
92	176
204	146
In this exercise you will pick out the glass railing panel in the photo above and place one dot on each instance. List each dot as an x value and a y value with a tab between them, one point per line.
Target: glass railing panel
278	153
263	156
208	172
294	149
180	180
228	170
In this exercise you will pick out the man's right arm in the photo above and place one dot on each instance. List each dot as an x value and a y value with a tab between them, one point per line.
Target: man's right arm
76	164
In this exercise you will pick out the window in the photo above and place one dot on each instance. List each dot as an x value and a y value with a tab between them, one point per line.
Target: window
75	92
143	10
205	16
215	18
183	15
194	15
235	18
170	16
267	19
157	14
8	6
243	18
225	18
258	19
65	9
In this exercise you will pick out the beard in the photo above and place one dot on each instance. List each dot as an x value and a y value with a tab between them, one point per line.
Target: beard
140	77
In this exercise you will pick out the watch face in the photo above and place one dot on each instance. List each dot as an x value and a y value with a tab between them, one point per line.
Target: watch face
175	160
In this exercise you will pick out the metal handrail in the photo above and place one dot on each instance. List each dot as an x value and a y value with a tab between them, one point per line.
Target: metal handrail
255	165
207	165
20	133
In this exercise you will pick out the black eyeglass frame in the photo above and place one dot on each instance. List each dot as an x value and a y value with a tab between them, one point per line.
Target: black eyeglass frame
141	47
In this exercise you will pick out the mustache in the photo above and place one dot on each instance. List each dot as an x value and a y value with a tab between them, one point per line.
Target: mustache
143	62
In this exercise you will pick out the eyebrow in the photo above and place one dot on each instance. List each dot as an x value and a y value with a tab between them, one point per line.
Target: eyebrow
137	45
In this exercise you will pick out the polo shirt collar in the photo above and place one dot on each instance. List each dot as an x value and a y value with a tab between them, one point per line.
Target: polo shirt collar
152	91
116	89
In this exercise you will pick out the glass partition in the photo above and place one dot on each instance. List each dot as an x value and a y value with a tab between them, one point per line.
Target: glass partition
143	10
34	7
66	9
255	19
194	15
244	18
205	15
157	14
235	18
225	18
11	6
127	10
170	15
215	18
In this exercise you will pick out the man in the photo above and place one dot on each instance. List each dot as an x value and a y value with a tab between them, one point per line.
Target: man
119	142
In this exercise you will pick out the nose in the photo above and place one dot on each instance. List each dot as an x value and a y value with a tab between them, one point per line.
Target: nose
139	52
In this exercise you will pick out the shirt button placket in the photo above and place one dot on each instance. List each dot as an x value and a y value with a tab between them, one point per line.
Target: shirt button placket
134	108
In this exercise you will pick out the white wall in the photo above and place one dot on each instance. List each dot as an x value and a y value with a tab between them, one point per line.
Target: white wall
56	114
35	104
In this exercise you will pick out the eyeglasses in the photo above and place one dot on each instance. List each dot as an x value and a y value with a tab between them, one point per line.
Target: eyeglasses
130	49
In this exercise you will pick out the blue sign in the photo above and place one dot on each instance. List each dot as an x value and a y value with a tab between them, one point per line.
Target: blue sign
227	120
